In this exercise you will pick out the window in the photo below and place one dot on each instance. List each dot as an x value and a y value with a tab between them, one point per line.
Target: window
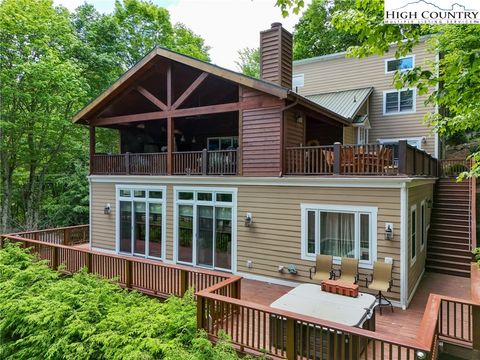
298	80
340	231
362	135
413	232
141	221
402	64
204	227
423	222
222	143
396	102
417	142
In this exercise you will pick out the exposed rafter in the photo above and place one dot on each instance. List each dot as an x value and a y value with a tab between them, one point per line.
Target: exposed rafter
189	90
152	98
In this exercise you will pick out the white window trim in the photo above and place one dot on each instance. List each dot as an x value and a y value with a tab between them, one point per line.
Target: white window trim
403	57
414	258
162	201
302	76
424	220
372	211
358	135
414	102
233	205
395	140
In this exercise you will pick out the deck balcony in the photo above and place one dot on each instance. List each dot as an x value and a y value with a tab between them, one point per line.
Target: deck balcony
450	306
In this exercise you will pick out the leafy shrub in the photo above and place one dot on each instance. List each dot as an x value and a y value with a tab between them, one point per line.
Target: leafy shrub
476	255
44	315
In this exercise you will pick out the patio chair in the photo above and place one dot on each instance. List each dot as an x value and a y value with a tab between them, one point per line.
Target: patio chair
381	281
323	270
348	271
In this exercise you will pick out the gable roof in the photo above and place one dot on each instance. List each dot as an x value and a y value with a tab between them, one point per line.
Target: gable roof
128	77
345	103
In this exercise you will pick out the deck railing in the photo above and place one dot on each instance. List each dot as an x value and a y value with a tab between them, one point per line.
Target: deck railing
130	164
453	167
368	159
262	329
72	235
147	276
219	162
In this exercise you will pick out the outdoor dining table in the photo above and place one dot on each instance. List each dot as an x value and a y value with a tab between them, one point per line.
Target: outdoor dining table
310	300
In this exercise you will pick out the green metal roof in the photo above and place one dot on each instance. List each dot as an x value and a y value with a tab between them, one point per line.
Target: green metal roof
345	103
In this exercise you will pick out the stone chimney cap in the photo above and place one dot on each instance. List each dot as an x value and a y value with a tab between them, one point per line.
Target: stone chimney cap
276	24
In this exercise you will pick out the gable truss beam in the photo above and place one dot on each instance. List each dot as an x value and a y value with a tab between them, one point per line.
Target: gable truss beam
202	110
190	90
152	98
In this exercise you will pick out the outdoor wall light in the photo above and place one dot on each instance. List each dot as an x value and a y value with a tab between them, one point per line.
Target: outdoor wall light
248	219
107	209
429	203
299	119
389	231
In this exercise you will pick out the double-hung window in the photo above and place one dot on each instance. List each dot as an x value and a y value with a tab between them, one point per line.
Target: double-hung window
398	102
340	231
401	64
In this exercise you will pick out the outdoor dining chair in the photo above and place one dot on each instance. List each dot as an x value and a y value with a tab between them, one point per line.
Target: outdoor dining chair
348	271
323	270
381	281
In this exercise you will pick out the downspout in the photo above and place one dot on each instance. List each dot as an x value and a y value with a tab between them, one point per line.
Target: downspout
282	135
403	246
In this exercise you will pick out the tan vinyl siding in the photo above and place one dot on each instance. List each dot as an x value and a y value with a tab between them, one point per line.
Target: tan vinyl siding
275	239
103	226
340	73
415	197
349	135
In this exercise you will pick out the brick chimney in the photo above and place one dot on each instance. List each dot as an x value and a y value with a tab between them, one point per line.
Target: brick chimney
276	55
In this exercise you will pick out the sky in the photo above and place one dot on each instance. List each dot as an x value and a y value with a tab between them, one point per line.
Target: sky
226	25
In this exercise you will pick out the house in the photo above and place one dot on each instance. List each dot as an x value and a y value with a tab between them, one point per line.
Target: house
222	171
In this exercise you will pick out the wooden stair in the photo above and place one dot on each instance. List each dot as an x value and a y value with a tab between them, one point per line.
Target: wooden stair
449	237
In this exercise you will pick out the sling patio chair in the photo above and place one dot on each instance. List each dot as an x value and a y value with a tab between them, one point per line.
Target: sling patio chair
323	270
348	271
381	281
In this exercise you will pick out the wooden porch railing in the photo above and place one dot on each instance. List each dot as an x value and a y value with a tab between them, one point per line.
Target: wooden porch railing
147	276
453	167
72	235
368	159
218	162
130	164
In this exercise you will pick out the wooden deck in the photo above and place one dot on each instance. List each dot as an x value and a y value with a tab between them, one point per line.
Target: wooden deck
404	322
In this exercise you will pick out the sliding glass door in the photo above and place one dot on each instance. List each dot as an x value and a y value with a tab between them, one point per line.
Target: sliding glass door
140	222
204	228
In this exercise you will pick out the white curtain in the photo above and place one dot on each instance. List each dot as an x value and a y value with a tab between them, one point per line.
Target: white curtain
337	234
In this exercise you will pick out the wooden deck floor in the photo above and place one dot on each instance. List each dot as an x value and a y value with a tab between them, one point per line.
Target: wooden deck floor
404	322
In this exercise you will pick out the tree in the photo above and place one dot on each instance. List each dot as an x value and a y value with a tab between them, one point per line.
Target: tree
315	35
41	88
249	62
454	88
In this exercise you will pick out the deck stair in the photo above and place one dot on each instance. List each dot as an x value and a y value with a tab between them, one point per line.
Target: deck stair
449	238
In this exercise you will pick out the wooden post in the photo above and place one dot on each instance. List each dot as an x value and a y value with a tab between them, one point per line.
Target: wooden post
92	147
200	311
290	339
475	327
170	140
336	158
66	236
128	274
402	157
89	262
1	242
54	263
183	282
237	292
204	161
127	163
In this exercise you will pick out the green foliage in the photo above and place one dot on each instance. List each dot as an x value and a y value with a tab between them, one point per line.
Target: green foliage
476	255
315	35
249	62
44	315
290	5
